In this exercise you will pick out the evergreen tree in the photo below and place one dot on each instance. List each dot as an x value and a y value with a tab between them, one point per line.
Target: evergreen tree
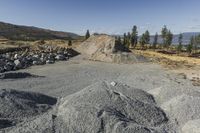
180	40
169	38
125	39
164	34
70	42
155	42
196	43
128	39
87	35
142	41
134	36
119	40
147	37
190	46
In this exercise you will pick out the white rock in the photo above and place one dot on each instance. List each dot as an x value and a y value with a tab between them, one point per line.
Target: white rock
60	57
16	56
113	83
50	62
18	64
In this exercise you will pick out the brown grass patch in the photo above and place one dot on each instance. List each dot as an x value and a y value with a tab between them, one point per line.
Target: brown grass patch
169	60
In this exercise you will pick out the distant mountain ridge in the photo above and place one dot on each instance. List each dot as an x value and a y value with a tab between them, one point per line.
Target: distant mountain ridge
29	33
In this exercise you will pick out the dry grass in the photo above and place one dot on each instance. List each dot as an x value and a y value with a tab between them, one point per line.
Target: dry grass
34	45
173	61
187	67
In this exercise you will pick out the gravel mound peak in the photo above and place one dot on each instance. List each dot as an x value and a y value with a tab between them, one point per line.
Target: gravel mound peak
105	108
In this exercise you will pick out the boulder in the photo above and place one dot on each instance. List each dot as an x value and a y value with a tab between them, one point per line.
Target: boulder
60	57
1	69
8	55
35	62
16	56
26	62
18	64
51	56
36	56
9	66
50	62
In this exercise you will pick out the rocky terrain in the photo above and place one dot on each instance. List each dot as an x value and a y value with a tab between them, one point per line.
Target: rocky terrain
16	60
81	95
17	106
111	108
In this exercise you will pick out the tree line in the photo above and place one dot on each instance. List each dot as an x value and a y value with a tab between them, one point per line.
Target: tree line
132	40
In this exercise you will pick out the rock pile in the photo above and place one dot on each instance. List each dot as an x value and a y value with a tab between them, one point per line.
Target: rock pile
107	108
16	106
22	59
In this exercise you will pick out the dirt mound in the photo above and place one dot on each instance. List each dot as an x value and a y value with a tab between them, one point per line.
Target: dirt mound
104	48
18	105
115	108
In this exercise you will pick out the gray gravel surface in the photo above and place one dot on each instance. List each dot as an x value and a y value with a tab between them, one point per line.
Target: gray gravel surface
102	107
162	89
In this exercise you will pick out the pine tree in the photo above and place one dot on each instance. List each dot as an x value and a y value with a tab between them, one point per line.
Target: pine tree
164	34
180	38
155	42
125	39
134	36
119	40
196	43
147	37
128	39
70	42
169	38
142	41
190	46
87	35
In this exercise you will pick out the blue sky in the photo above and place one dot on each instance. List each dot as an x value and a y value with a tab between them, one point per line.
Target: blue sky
104	16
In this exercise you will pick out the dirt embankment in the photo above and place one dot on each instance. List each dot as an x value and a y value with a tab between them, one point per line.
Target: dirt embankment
105	48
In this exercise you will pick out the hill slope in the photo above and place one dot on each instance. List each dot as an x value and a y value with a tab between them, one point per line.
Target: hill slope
17	32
